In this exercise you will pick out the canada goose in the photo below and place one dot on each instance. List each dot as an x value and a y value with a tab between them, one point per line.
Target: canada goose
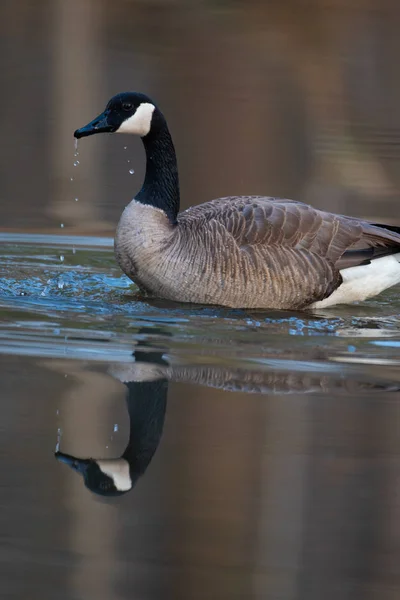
241	252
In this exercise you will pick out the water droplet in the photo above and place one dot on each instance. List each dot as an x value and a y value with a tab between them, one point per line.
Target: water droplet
57	412
71	178
59	436
60	285
76	199
125	147
49	281
129	160
62	258
131	171
76	163
65	375
106	446
73	250
62	225
116	427
45	291
76	145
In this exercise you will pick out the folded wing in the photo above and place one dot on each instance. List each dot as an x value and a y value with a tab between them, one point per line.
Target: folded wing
302	248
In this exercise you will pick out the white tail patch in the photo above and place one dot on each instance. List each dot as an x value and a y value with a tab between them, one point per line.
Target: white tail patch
364	281
140	122
118	470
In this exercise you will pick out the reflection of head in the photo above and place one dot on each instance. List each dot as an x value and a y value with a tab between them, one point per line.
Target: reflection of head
107	477
146	403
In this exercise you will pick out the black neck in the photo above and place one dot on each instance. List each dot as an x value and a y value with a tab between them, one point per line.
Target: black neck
147	402
161	184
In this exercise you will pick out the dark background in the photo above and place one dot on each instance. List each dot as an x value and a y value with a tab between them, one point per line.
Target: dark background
298	98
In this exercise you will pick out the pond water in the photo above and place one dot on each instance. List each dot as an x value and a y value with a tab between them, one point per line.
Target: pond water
263	447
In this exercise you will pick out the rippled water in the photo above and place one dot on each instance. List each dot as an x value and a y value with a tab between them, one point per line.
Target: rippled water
260	444
66	291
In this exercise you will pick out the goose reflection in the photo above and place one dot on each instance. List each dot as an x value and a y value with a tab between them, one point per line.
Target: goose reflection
146	380
146	403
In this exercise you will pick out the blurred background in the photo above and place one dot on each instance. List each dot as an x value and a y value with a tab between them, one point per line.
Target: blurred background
291	492
297	99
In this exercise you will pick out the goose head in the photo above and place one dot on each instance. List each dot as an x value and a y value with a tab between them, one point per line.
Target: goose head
135	113
127	112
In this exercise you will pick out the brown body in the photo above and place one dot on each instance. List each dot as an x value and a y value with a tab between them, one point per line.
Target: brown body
247	252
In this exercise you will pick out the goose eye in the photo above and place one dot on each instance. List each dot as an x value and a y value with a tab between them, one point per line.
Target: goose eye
126	106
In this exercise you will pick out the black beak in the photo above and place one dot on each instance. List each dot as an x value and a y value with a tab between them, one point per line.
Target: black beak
77	464
99	125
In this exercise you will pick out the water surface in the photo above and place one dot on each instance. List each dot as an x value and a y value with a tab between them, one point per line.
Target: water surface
275	448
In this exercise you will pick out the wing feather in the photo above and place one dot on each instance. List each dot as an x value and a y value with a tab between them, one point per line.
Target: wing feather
299	248
258	220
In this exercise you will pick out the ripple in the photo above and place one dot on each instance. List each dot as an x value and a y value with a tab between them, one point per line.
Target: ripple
83	306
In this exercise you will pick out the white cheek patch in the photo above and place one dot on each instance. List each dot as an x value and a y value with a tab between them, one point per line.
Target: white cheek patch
118	470
140	122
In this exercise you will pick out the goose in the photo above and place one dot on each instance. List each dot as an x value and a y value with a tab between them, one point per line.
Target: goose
238	251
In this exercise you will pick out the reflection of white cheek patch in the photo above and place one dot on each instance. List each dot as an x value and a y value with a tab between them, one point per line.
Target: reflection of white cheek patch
118	470
140	122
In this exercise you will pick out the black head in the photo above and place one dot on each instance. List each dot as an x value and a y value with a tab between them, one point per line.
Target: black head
103	477
128	112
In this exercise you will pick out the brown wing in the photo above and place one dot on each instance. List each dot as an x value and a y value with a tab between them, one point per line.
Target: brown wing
308	245
265	221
